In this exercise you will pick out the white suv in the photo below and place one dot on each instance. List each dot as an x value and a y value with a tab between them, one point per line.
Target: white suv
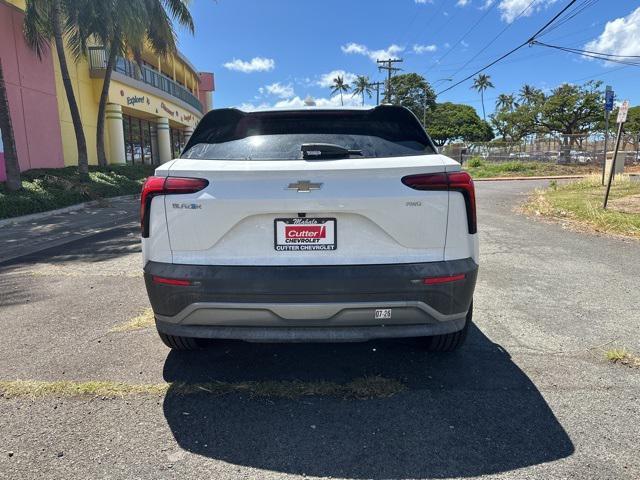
310	225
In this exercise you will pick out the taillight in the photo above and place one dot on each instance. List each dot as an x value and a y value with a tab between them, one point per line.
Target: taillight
155	186
452	181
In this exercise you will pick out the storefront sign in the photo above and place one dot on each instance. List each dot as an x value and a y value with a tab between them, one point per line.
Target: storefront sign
168	110
134	100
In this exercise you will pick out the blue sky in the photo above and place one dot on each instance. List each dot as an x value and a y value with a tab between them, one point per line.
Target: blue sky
277	52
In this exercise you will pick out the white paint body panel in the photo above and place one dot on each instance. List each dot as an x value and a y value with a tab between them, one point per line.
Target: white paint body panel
379	219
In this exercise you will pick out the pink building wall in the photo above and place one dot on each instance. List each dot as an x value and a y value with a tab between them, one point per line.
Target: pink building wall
31	90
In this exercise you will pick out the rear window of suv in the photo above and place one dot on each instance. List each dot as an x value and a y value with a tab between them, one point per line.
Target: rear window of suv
229	134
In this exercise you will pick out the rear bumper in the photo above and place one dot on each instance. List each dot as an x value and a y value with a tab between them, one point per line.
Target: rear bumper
310	303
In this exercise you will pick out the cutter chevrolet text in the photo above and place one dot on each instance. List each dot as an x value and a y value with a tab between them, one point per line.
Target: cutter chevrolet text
310	225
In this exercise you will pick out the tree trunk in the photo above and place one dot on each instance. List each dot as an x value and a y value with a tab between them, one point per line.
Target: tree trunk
111	62
341	102
81	142
363	98
484	117
11	165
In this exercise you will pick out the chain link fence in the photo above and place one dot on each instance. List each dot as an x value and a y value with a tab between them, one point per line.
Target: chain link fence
585	149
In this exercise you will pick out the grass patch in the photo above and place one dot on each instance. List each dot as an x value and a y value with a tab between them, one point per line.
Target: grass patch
479	168
142	321
623	357
51	188
581	203
361	388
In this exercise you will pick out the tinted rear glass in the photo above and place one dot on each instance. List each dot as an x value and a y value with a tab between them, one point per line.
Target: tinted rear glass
229	134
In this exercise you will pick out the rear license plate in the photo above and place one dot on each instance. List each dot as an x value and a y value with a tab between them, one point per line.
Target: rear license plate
305	234
382	314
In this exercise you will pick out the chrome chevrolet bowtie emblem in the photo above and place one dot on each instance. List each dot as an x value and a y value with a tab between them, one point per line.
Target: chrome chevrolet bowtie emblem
304	186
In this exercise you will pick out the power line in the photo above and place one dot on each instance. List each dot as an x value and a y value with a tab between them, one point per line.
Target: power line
528	41
482	17
496	37
576	11
582	52
429	22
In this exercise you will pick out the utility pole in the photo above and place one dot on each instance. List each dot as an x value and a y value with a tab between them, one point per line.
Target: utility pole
377	86
388	66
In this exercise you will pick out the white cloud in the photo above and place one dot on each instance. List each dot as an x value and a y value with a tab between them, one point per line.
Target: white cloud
249	107
256	64
279	90
326	80
422	2
619	37
420	49
462	3
359	49
511	9
295	102
464	44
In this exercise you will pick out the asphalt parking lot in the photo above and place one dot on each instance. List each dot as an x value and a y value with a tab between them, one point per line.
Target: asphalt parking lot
529	396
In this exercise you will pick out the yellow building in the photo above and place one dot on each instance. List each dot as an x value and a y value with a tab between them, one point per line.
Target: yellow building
152	108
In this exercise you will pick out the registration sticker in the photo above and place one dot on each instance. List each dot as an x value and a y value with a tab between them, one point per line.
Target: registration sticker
305	234
382	314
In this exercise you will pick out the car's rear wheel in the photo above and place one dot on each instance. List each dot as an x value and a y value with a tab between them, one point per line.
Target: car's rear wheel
175	342
450	341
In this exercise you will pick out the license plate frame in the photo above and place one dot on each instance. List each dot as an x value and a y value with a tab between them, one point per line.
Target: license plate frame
305	244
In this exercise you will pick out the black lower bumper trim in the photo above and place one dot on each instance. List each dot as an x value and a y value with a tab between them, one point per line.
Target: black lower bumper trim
312	284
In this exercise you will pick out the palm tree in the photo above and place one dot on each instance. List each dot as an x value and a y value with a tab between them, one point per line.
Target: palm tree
45	20
529	94
506	102
124	27
11	165
339	86
362	86
480	84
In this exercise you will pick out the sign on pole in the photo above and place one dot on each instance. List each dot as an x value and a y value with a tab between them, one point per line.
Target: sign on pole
622	117
622	113
608	99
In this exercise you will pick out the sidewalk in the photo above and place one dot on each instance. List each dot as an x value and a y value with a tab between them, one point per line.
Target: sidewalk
26	235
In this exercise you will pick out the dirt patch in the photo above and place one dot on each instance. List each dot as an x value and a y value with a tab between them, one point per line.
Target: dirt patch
629	204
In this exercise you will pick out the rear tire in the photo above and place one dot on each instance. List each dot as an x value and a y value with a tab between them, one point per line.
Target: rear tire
449	341
180	343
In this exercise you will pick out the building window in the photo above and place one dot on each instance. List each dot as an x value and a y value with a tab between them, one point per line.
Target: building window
138	146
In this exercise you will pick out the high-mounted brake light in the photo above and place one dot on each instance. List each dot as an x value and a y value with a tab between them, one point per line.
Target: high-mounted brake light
452	181
155	186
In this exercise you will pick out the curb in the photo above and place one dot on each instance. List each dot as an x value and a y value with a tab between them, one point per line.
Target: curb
552	177
506	179
70	208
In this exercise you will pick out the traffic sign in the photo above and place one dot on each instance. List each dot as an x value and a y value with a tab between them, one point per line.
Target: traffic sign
622	113
608	99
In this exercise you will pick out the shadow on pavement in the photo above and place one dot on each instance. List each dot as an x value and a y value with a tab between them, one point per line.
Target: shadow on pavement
464	414
100	247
